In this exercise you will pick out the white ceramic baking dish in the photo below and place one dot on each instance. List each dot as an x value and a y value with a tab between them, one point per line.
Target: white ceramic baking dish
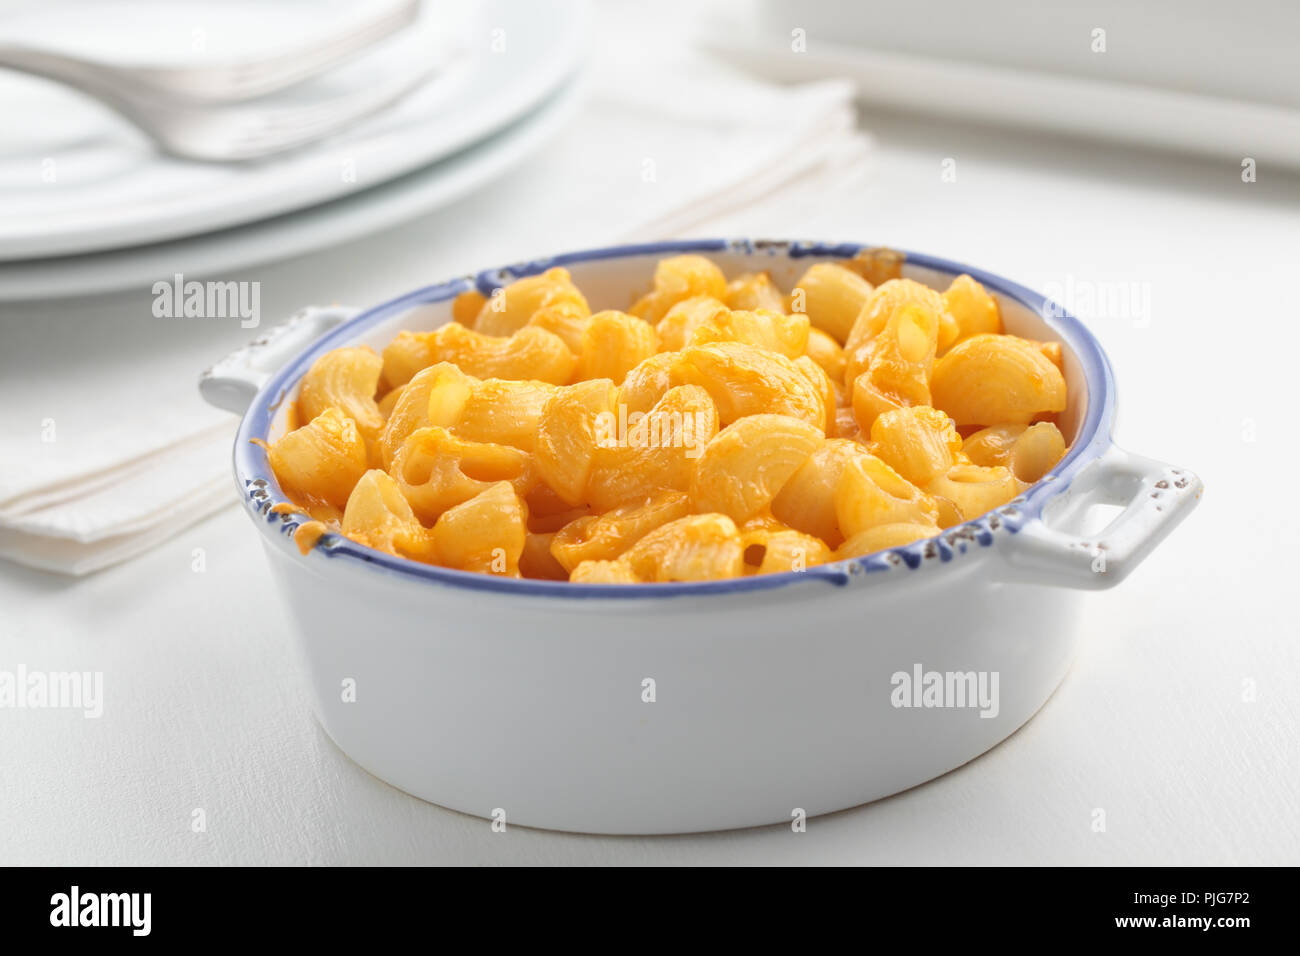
686	707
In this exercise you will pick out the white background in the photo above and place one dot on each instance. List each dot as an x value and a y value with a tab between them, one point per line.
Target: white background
204	705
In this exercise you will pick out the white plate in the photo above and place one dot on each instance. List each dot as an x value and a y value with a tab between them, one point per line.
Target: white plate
75	178
297	233
1034	69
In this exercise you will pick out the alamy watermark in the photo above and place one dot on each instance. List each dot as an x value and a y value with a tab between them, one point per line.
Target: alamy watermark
662	429
179	299
1100	299
128	910
976	690
22	689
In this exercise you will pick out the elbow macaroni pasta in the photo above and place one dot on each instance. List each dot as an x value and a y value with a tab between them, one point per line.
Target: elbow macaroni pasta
713	430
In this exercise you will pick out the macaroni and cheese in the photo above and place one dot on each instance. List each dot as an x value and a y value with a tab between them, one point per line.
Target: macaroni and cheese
713	430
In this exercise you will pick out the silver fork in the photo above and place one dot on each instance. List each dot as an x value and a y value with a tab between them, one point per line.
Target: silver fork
247	131
238	131
219	83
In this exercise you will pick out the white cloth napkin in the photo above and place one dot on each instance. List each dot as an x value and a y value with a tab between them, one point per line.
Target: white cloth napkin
75	503
697	141
701	140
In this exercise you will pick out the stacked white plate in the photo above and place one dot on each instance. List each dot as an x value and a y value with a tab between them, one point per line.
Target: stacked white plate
89	205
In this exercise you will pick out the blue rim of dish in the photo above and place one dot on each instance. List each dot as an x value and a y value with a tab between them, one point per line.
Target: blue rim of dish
261	491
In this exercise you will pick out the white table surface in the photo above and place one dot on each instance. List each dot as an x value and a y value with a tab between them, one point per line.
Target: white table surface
204	707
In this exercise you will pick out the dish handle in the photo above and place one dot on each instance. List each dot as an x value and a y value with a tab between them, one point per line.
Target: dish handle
233	382
1154	498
